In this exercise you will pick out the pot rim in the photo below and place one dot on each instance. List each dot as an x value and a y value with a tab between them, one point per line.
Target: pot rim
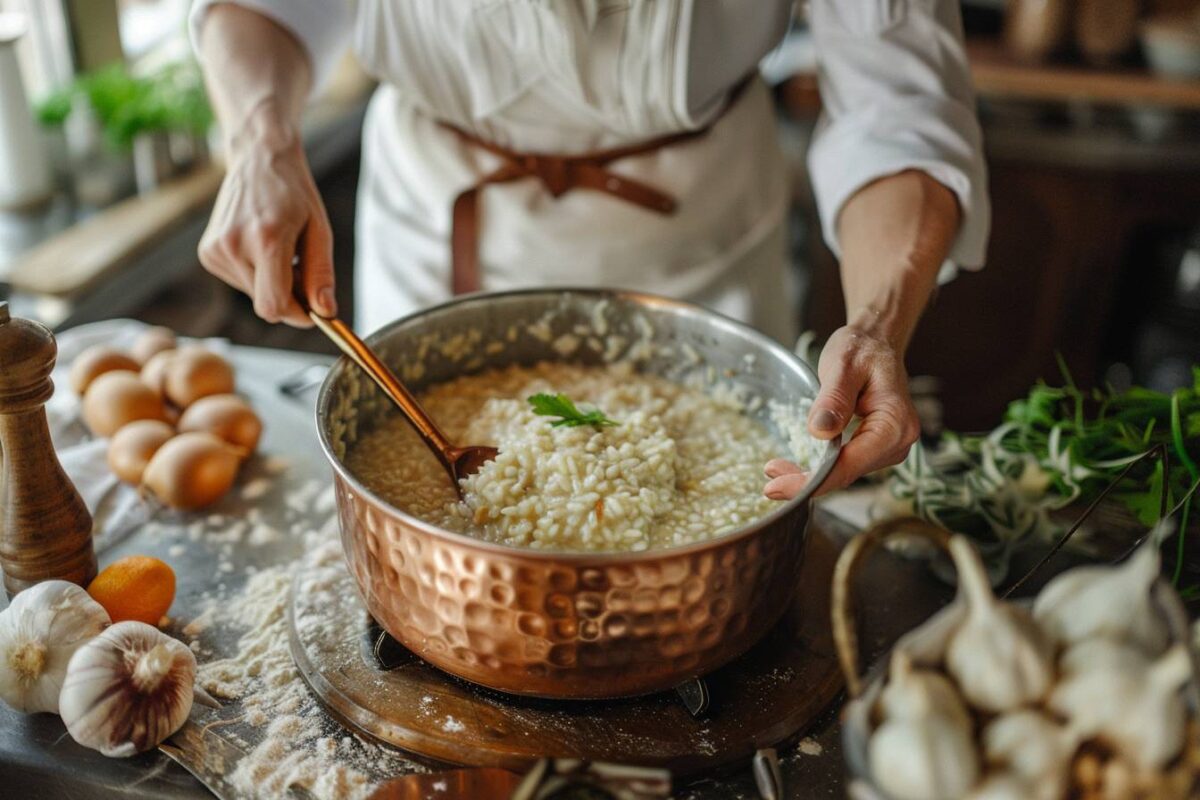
582	557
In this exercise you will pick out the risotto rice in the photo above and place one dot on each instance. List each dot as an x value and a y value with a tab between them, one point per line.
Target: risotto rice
681	466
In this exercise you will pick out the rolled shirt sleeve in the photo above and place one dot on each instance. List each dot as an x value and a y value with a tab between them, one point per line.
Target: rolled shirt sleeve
321	26
896	92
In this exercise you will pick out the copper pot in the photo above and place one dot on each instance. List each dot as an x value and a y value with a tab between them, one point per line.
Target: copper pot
552	623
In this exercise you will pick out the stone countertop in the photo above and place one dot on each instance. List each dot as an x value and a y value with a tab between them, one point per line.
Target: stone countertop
38	759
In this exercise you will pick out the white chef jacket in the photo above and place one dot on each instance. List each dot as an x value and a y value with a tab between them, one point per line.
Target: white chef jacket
572	76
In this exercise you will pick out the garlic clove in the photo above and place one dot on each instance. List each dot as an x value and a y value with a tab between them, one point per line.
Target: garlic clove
912	692
1101	654
930	758
39	632
1139	712
1122	781
1002	786
1110	602
1010	786
128	689
1033	747
999	657
926	645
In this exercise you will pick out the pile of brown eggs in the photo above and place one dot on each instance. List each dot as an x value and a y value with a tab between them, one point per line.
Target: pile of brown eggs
177	430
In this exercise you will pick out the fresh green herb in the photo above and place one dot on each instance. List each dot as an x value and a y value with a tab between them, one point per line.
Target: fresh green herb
1056	446
569	415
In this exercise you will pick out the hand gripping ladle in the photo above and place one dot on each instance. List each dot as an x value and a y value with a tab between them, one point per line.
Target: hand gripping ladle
458	461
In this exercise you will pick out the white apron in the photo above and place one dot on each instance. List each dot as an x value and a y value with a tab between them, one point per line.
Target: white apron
550	78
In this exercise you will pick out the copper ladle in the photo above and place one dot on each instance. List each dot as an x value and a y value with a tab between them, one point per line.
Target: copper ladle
458	462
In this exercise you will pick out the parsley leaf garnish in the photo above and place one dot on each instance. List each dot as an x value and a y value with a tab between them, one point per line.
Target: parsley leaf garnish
569	416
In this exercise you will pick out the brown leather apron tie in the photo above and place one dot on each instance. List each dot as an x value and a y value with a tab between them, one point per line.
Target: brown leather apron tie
559	174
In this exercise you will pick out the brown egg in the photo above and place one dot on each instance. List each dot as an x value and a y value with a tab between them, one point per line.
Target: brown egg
115	399
154	371
94	362
226	415
192	470
193	373
132	447
151	341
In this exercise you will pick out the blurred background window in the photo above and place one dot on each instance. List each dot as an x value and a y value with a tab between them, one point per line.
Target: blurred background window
69	37
152	26
44	52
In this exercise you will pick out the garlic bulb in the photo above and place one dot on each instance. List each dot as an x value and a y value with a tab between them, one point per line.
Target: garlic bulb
1111	602
924	749
923	758
39	632
127	689
912	693
1101	654
998	656
1140	712
1033	747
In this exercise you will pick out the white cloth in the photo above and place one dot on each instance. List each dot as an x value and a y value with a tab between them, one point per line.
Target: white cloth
576	76
116	508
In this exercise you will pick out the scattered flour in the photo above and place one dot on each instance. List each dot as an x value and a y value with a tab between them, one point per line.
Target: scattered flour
263	534
810	747
256	488
297	745
200	624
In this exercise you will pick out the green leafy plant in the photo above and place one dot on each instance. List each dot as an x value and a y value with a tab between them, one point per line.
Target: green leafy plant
171	99
53	111
1056	446
569	415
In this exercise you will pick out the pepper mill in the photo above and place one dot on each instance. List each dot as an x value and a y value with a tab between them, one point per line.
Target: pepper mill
45	528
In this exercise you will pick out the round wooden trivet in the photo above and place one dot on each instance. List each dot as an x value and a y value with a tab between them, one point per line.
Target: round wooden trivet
763	699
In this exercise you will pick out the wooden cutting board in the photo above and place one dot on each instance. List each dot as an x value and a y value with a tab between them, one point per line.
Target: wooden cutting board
87	252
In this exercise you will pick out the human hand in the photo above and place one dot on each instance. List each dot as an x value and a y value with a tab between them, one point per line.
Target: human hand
266	202
860	374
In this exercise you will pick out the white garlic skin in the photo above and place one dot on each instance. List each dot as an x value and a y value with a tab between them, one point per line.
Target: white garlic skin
1140	712
999	657
1002	786
1109	602
39	632
923	759
128	689
1033	747
1101	654
912	693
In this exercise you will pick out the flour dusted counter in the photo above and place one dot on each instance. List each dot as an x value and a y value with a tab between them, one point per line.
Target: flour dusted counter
236	565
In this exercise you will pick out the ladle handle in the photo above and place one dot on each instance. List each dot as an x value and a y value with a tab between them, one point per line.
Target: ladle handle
357	351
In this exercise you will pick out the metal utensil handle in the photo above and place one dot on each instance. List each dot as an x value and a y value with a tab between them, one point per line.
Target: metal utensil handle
357	351
360	354
845	634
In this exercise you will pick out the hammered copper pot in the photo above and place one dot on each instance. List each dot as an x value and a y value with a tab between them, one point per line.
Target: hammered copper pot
553	623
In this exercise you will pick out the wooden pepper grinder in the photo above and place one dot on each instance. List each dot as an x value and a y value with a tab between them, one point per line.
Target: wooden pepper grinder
45	528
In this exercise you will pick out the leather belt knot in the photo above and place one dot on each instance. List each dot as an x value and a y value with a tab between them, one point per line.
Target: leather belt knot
555	172
559	174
